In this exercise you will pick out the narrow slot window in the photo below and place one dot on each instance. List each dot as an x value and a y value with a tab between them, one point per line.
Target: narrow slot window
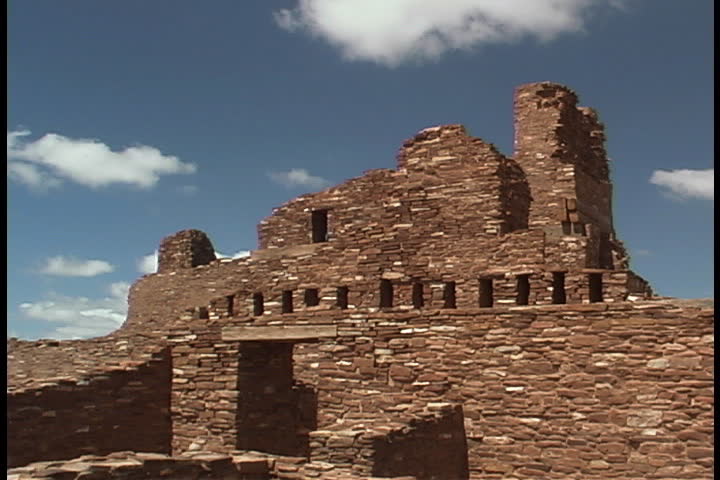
486	292
449	295
230	305
287	301
311	297
523	289
595	287
319	220
418	297
567	228
258	304
342	297
558	287
386	294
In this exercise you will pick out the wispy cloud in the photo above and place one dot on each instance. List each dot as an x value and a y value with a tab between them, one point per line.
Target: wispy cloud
31	176
81	317
148	263
397	31
48	161
687	183
73	267
298	177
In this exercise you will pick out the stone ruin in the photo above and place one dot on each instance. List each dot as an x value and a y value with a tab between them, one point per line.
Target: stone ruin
466	315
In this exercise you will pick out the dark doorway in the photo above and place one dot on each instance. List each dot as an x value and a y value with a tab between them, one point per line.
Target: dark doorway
595	287
319	219
558	287
523	290
258	304
342	297
418	297
312	298
275	413
386	294
287	301
486	293
449	295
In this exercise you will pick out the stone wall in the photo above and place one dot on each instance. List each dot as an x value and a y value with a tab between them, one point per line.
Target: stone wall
122	409
489	195
464	315
130	465
585	391
560	147
185	249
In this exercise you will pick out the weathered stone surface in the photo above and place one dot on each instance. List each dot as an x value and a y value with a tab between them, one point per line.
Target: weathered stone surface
366	344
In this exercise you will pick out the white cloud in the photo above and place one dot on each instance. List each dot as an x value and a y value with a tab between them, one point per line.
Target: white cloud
72	267
298	177
31	176
238	254
47	161
148	263
81	317
687	183
393	32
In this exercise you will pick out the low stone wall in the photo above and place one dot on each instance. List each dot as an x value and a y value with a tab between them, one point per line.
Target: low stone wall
427	444
121	409
237	465
135	466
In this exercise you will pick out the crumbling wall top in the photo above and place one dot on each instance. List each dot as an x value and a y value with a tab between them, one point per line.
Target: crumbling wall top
185	249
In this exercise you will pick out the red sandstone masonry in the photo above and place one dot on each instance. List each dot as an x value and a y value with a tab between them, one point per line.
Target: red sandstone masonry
612	384
595	391
120	410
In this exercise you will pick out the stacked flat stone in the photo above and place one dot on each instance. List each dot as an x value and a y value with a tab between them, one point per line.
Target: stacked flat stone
465	315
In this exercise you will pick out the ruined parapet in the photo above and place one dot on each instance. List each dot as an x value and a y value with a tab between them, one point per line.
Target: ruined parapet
471	169
185	249
125	465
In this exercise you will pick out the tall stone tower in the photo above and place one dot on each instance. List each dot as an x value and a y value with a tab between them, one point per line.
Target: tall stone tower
560	146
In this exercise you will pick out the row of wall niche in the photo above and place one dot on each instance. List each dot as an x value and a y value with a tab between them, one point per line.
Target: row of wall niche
419	296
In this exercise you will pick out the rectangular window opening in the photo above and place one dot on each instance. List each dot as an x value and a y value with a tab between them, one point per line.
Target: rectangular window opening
230	305
486	292
342	297
558	288
523	289
203	313
287	301
319	226
567	228
312	298
595	287
449	295
386	294
258	304
418	297
579	228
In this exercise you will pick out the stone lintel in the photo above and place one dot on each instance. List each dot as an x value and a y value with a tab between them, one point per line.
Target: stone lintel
279	333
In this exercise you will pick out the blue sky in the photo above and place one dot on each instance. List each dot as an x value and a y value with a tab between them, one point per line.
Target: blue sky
128	121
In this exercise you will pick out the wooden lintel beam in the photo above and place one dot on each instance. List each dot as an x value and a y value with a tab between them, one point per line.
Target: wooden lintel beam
278	333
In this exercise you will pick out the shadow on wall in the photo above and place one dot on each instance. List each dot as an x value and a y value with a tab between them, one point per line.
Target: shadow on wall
121	410
275	413
433	449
